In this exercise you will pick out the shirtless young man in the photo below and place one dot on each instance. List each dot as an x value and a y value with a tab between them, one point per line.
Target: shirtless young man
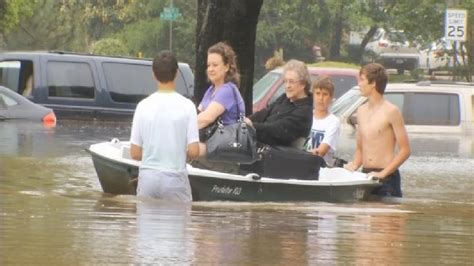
380	128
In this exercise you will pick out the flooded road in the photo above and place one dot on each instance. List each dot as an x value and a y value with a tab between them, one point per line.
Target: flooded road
53	212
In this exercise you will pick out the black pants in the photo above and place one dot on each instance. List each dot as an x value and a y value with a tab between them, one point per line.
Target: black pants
391	184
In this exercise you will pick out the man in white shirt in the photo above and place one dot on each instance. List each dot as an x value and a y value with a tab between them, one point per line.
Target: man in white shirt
325	128
164	135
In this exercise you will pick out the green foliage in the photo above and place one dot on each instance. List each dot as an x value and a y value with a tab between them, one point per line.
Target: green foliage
295	26
110	46
12	11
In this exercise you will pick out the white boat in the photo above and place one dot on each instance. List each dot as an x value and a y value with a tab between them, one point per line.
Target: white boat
118	174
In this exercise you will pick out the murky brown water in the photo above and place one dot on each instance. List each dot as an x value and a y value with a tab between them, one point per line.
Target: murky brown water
53	212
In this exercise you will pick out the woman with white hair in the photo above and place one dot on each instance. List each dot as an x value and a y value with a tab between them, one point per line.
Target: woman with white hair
289	118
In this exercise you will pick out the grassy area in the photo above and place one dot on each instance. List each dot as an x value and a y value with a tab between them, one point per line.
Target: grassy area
392	78
335	64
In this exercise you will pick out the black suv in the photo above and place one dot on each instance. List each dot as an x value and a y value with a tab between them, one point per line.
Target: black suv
85	86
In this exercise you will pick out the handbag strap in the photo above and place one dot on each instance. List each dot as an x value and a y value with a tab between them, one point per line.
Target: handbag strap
241	115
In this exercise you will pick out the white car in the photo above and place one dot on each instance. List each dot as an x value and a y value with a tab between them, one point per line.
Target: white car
427	107
439	54
392	50
437	116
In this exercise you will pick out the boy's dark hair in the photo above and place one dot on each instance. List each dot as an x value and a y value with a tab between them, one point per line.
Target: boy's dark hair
165	66
375	72
324	83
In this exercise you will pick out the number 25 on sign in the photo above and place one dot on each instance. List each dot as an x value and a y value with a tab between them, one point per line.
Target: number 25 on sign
455	26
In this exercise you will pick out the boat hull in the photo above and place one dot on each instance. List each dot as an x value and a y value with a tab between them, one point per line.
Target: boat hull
115	177
118	176
212	189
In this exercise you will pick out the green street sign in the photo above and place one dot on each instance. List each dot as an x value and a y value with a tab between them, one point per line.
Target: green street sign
170	13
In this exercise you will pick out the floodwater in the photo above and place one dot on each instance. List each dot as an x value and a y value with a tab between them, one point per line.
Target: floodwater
53	212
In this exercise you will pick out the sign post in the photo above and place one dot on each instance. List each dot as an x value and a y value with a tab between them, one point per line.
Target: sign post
455	28
170	13
456	25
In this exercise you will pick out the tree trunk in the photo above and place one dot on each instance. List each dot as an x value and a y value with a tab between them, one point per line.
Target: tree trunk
367	37
336	38
232	21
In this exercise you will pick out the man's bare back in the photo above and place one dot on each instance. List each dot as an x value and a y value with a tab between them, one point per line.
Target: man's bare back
376	132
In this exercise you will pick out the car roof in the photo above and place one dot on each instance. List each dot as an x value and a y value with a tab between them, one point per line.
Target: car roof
326	71
429	86
58	54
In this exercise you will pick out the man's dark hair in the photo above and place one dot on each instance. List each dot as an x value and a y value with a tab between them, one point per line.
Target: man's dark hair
375	72
165	66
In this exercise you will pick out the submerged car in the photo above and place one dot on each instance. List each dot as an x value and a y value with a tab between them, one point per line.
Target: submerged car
438	117
271	86
427	107
15	106
85	86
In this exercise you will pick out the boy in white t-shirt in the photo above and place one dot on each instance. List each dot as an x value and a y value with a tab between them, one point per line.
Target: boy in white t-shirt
164	135
325	129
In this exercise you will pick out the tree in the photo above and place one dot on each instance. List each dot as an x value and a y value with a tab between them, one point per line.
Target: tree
12	11
109	46
232	21
292	27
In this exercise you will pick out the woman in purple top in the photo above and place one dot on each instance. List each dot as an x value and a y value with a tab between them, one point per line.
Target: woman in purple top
222	98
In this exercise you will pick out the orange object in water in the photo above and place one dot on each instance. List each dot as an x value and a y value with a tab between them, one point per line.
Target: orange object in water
49	120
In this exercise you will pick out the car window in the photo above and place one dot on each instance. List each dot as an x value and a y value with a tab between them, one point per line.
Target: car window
129	82
378	35
396	36
70	79
344	102
264	84
342	84
7	101
434	109
10	74
397	99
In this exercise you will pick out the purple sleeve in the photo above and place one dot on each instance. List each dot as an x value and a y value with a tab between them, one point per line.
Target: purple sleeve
206	99
225	96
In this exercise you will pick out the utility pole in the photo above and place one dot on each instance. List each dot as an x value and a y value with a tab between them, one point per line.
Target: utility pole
171	28
170	13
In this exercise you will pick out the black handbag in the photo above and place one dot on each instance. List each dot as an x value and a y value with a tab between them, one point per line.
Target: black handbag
233	143
206	133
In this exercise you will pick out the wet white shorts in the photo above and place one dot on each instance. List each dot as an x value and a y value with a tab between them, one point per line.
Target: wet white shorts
165	185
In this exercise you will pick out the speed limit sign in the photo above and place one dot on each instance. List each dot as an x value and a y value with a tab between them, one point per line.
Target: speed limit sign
456	24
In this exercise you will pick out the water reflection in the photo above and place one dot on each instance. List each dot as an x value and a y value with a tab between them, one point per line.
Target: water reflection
23	138
162	235
53	211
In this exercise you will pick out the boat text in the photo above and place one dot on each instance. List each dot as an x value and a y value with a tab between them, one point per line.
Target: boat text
226	190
